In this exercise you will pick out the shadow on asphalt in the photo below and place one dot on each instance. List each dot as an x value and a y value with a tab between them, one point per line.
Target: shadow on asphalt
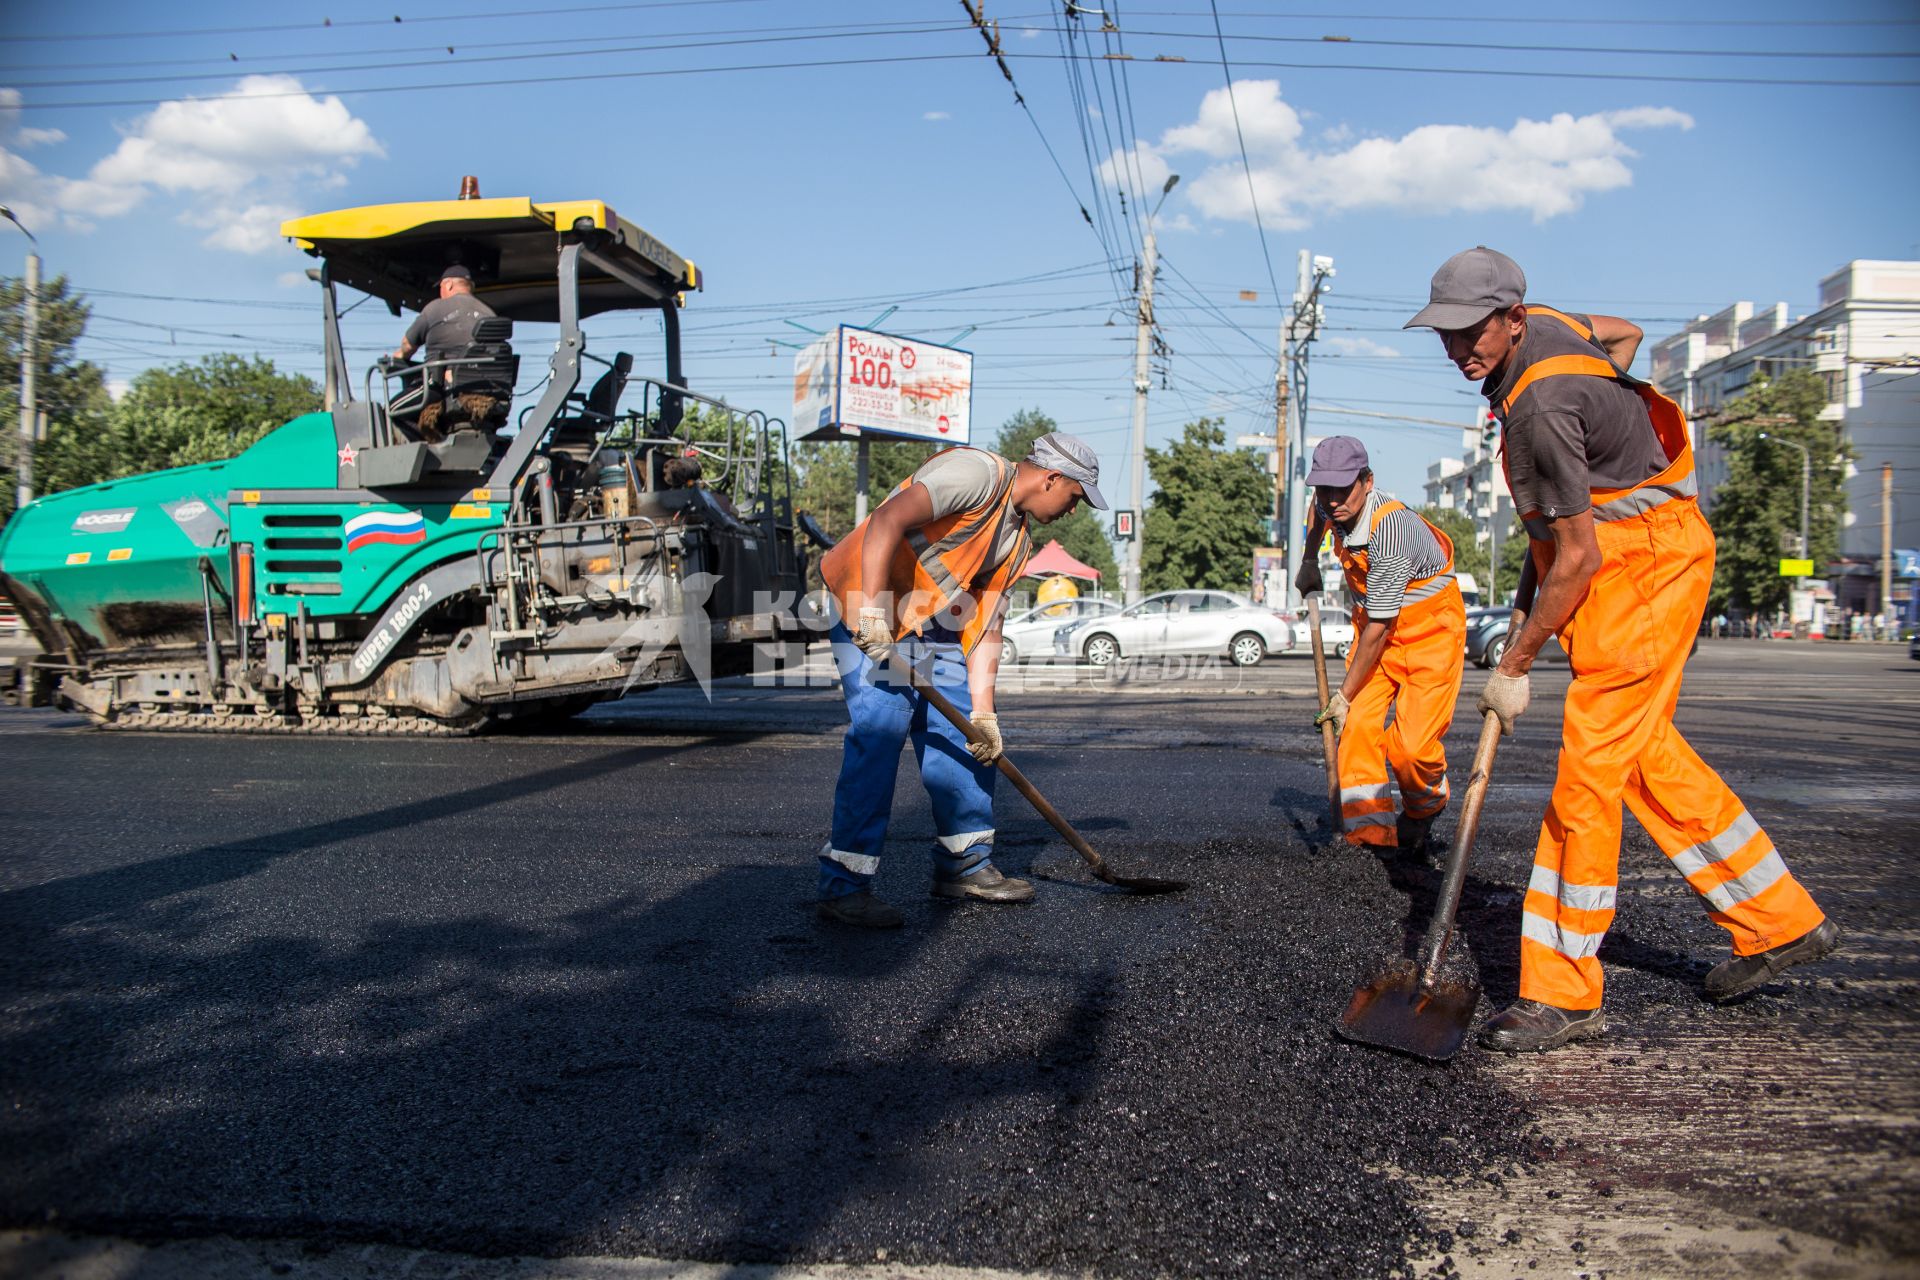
475	1085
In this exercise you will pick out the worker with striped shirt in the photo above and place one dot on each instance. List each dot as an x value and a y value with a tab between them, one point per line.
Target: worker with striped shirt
1409	649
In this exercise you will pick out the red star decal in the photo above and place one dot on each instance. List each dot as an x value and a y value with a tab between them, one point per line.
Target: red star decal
348	455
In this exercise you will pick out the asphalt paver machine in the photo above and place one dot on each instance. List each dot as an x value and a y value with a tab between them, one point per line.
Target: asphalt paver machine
357	571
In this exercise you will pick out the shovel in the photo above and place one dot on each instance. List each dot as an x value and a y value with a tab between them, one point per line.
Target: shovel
1328	746
1408	1007
1133	884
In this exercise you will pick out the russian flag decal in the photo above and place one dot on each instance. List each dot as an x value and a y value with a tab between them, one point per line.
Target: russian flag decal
401	527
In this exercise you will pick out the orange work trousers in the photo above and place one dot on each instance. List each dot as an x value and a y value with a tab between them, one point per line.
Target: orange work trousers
1418	679
1628	641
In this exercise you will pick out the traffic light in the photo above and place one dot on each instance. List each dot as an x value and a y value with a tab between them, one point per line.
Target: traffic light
1489	430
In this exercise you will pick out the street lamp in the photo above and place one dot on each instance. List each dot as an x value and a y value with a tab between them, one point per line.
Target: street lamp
29	343
1142	346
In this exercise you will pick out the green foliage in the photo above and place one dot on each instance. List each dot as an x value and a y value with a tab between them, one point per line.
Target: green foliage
1760	499
70	391
824	481
1204	522
175	417
1082	535
1468	556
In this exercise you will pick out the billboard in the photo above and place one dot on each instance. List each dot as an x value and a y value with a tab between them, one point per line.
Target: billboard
858	382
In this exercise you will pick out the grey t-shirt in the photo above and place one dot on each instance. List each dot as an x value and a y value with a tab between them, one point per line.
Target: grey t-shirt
962	479
1570	434
444	326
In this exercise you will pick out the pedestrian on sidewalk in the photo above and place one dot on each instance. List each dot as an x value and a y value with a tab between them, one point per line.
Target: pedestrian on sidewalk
1409	649
926	577
1621	562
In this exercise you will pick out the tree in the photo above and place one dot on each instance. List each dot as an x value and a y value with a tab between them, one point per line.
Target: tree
70	391
1469	556
1760	499
175	417
1204	522
1082	535
824	471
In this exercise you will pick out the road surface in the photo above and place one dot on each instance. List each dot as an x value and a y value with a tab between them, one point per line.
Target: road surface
564	997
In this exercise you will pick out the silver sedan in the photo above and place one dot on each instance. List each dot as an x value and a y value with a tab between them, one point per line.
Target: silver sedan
1204	622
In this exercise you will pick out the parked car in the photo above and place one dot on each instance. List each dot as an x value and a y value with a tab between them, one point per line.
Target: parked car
1487	637
1336	631
1212	622
1031	634
1913	647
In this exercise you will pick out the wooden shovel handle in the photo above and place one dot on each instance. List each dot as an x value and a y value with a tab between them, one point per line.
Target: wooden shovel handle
945	707
1328	746
1441	930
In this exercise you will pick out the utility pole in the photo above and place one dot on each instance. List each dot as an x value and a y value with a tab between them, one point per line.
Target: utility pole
1142	381
1297	334
1886	545
29	347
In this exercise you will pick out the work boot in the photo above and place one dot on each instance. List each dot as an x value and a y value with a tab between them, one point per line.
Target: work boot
984	885
1411	833
1731	979
860	909
1527	1026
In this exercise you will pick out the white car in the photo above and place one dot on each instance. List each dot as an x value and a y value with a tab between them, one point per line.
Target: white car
1336	630
1211	622
1031	635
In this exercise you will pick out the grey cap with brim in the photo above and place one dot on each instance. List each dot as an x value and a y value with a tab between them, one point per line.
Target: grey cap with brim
1469	287
1073	458
1338	460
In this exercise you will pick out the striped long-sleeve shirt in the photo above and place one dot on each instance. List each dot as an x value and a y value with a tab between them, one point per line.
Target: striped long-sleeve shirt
1400	551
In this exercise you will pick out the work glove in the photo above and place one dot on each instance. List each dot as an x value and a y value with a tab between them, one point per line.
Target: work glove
989	726
872	633
1308	580
1336	711
1506	697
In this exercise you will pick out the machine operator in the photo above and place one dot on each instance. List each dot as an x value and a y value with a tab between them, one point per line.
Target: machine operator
444	328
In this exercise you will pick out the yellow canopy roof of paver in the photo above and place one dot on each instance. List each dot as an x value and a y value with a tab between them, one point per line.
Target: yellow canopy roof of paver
396	252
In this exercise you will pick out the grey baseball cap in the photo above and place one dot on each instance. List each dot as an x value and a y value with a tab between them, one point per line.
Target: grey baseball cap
1470	286
1073	458
1338	460
456	272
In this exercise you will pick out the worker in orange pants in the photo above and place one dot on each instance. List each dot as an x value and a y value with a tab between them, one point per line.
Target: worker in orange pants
1621	560
1409	649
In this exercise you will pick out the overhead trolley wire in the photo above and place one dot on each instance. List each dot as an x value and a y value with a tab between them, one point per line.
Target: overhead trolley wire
1246	164
442	86
328	23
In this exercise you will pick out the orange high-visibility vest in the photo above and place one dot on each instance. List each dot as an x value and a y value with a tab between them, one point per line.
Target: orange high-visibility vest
937	573
1674	482
1353	561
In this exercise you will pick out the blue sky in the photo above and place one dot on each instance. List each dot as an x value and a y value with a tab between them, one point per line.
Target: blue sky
892	167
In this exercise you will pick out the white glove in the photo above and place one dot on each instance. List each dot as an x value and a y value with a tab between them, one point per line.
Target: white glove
871	632
1506	697
989	726
1336	711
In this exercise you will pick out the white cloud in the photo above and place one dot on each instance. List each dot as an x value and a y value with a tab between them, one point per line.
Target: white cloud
1030	33
292	280
254	229
1544	168
936	115
254	147
1362	347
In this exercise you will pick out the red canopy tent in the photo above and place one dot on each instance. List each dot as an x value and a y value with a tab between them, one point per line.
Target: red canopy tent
1053	558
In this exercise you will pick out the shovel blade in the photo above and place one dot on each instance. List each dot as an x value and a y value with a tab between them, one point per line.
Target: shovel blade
1393	1011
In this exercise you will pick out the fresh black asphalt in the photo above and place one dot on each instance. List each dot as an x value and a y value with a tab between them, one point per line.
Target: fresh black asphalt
566	995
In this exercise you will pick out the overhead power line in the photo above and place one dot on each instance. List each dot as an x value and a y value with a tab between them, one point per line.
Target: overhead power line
328	23
1247	165
908	59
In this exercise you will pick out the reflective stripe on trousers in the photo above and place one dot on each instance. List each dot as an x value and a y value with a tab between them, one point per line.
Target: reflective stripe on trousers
1628	642
882	717
1418	678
